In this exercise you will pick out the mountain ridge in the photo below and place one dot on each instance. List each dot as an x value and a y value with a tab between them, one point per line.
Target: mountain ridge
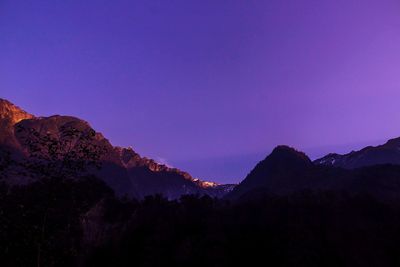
125	165
286	171
387	153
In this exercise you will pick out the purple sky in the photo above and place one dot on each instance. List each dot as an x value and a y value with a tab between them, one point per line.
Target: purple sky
209	86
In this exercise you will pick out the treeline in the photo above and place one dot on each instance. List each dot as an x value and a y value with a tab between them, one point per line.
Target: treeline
81	223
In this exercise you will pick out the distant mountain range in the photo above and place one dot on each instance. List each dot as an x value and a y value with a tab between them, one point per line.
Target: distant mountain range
124	170
372	170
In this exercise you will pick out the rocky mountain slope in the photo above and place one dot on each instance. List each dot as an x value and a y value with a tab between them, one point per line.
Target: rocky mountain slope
124	170
388	153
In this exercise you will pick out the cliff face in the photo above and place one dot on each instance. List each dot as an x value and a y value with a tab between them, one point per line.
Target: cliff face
9	116
123	169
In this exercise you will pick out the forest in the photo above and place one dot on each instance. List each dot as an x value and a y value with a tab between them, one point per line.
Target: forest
81	223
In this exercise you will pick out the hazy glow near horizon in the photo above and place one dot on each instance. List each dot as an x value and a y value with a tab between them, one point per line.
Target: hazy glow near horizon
209	86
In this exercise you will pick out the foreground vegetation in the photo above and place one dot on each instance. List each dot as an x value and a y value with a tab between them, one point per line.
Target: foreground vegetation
81	223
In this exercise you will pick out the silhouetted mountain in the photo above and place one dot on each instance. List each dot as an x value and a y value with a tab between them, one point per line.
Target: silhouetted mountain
388	153
275	172
287	171
124	170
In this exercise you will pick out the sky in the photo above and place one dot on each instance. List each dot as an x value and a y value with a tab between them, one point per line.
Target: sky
209	86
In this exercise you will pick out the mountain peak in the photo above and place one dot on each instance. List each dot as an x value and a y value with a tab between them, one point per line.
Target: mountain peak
281	171
289	154
12	113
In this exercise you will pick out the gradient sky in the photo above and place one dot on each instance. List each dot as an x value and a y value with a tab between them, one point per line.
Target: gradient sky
209	86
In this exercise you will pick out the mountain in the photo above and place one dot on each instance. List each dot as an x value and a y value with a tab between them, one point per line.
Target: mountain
287	171
124	170
283	171
388	153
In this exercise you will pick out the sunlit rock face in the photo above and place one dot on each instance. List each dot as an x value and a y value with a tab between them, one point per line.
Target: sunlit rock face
9	116
12	114
124	170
